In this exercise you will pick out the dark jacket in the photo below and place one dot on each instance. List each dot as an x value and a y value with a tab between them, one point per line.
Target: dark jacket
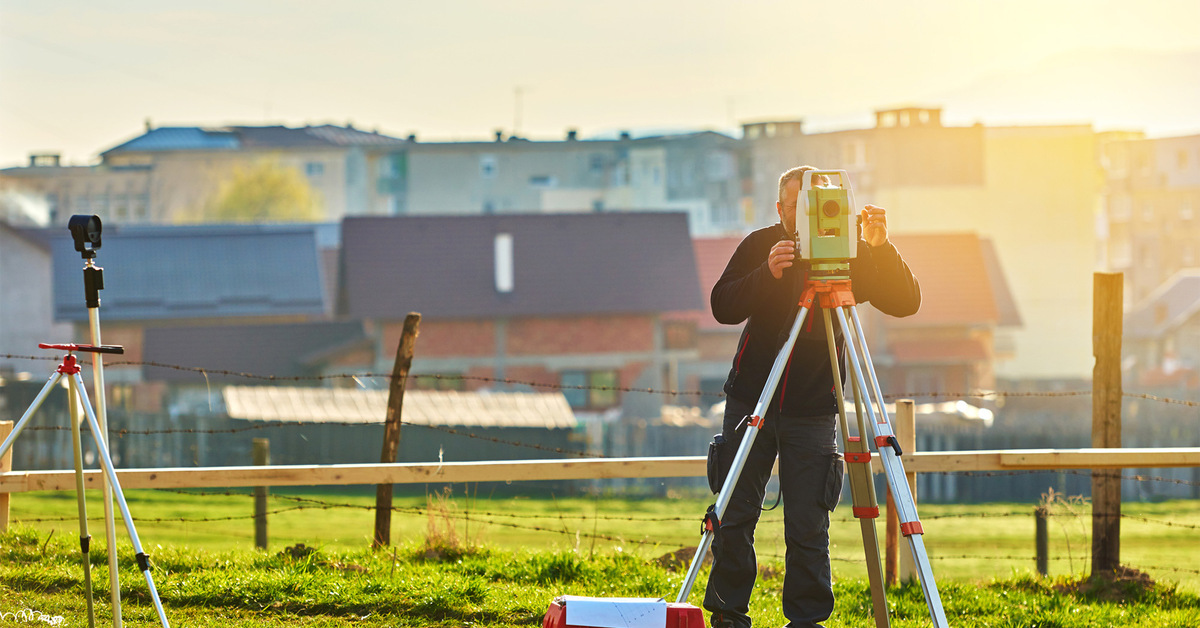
746	290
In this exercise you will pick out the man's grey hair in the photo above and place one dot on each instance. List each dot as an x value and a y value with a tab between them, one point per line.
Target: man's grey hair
797	173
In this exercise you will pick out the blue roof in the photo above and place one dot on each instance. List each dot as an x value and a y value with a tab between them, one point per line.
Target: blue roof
163	273
181	138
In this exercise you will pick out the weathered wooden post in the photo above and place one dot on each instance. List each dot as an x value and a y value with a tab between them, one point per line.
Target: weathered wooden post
899	564
391	429
1042	539
1106	419
5	466
262	457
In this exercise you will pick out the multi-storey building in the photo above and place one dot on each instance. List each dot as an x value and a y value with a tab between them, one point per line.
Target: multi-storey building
1033	191
168	173
695	173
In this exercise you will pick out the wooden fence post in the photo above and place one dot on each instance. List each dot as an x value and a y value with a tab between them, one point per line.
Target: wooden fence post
262	457
391	429
899	564
6	428
1106	419
1041	539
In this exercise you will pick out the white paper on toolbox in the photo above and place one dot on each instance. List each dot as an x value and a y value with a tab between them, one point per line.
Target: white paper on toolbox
615	612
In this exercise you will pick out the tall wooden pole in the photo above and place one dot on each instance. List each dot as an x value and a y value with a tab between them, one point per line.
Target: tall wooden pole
1106	419
391	430
899	564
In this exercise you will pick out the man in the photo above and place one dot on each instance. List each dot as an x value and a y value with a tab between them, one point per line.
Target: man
762	284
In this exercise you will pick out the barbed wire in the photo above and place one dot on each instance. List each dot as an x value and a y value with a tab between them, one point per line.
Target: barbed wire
978	394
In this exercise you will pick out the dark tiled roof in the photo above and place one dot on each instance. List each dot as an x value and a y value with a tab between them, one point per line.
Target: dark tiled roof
443	266
279	350
1171	305
251	137
155	273
166	138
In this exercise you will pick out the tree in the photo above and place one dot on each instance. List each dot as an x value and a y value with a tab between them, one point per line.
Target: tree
264	191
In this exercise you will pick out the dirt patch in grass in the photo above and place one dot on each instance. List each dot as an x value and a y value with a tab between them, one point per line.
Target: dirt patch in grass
1123	584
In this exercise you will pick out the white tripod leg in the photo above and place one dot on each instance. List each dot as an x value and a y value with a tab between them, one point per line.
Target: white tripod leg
85	539
37	403
743	452
894	470
106	462
110	529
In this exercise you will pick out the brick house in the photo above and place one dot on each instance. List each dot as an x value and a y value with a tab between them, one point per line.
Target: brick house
527	301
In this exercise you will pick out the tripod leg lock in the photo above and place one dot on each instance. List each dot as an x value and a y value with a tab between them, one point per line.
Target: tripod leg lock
889	441
143	561
711	522
910	528
85	544
866	512
858	457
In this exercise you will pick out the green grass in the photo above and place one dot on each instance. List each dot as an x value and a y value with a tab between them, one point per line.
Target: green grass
503	564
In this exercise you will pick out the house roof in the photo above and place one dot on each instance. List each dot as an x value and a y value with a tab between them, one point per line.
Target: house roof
562	264
935	351
284	350
183	138
961	281
1170	305
174	272
712	255
542	410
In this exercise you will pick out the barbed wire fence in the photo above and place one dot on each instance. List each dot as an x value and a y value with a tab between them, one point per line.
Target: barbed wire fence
521	522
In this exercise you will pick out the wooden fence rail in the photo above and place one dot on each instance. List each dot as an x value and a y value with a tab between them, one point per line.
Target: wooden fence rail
576	469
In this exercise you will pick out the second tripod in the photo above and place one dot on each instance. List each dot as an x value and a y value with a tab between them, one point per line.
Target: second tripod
69	369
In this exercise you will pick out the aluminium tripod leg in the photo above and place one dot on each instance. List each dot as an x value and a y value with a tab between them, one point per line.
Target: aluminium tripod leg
84	538
889	454
33	407
143	559
862	486
739	459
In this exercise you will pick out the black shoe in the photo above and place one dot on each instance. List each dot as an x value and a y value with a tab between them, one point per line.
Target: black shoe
718	620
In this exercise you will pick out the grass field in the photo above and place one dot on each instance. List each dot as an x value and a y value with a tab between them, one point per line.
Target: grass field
500	561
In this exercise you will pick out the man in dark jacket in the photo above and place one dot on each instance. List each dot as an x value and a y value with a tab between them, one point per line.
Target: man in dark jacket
762	285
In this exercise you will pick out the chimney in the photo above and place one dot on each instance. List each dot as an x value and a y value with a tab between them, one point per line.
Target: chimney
44	160
149	125
572	135
499	135
412	137
624	135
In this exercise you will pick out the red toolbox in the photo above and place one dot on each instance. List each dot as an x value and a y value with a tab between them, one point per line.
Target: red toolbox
621	613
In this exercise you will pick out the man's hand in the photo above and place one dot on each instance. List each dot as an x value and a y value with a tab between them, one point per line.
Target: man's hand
874	225
781	257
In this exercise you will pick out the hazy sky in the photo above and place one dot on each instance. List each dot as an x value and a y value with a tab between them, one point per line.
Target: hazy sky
78	76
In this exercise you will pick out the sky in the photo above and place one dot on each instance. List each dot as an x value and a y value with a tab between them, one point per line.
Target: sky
78	77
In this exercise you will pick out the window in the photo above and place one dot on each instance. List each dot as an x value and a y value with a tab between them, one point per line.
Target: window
487	166
593	390
543	181
314	169
439	381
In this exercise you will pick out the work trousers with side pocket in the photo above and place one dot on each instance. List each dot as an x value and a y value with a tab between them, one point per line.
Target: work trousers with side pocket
810	478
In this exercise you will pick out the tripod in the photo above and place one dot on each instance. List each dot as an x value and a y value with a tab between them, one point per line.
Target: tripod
833	292
78	396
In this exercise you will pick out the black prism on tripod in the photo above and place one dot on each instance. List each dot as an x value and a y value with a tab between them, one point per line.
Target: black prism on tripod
86	232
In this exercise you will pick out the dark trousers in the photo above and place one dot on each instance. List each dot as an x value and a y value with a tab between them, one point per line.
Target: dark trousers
810	478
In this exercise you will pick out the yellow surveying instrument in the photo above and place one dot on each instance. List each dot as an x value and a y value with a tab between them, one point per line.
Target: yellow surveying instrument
827	236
